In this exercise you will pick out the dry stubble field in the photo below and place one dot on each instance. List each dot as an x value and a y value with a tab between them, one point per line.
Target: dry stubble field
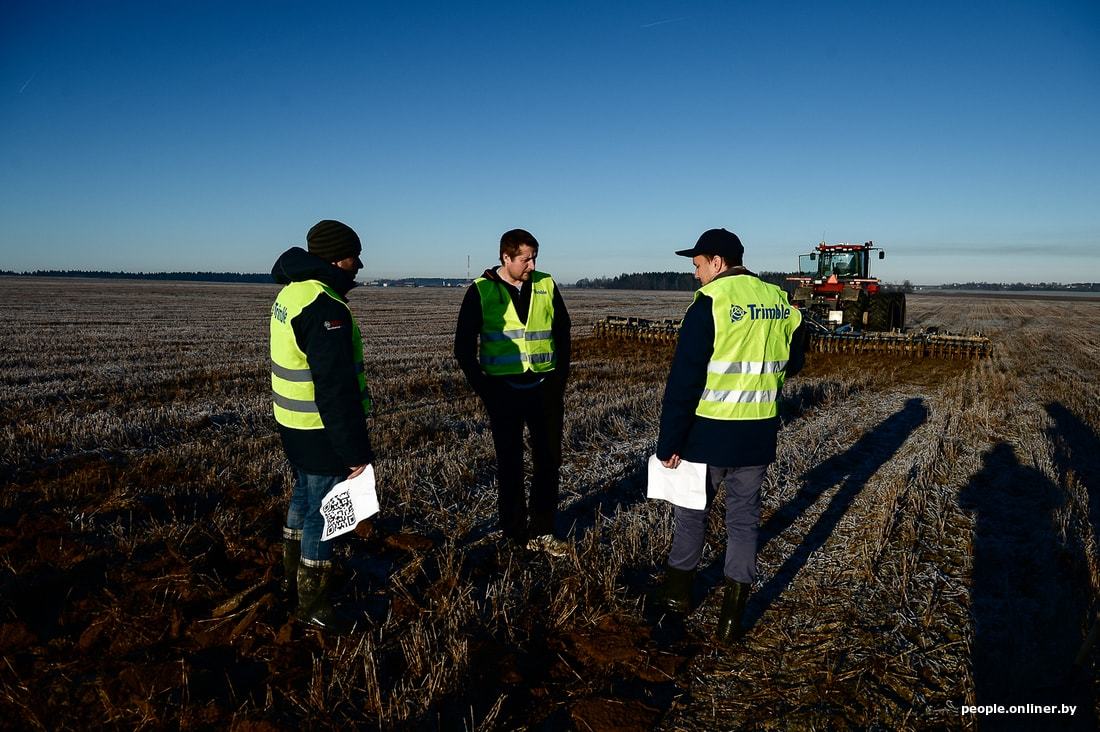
928	539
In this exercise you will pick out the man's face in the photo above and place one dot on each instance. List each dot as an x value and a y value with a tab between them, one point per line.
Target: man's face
707	267
520	267
350	264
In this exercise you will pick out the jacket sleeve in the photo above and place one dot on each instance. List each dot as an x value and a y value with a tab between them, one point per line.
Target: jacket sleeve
687	378
797	358
324	333
467	331
561	331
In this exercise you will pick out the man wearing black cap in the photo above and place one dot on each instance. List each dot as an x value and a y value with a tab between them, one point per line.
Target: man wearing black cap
738	342
321	403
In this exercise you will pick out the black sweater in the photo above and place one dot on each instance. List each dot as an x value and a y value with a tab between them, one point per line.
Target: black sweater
468	330
323	331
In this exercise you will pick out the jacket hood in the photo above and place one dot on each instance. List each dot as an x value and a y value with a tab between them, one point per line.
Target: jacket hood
298	265
492	275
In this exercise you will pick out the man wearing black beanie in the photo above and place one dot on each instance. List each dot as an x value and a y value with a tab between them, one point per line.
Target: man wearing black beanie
321	403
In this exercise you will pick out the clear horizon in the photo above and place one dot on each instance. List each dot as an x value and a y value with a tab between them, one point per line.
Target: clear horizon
366	279
202	136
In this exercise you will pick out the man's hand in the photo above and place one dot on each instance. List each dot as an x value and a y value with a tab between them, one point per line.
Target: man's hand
673	462
357	471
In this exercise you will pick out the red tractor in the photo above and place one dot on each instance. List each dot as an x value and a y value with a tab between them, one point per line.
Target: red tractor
836	294
847	310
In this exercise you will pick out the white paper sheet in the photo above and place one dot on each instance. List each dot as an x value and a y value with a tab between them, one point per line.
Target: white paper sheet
684	485
348	503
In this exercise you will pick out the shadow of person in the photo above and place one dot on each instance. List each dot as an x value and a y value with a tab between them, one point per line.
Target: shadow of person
1027	599
1077	460
582	515
853	468
1076	456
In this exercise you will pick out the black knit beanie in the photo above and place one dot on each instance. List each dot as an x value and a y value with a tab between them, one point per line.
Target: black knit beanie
332	241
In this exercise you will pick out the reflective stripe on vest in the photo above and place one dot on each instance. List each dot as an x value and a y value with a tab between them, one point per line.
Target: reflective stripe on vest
292	389
507	345
753	327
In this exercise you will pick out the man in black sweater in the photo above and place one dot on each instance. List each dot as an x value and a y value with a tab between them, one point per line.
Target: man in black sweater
512	343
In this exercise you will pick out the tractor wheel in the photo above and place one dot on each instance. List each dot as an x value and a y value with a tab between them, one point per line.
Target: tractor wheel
900	297
853	315
887	312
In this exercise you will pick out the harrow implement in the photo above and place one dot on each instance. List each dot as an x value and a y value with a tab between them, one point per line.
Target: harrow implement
920	344
923	343
639	329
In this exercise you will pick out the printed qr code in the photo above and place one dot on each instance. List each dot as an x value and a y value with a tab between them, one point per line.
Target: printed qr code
339	512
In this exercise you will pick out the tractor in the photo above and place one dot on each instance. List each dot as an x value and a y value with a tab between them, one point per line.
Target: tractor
835	292
845	310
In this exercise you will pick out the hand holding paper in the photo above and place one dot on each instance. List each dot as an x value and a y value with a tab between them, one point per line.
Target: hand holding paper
684	485
348	503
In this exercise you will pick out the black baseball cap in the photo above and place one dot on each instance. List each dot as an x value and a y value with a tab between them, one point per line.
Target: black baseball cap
720	242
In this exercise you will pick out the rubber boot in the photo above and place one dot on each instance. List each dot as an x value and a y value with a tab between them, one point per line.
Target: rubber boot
733	610
674	595
288	585
314	607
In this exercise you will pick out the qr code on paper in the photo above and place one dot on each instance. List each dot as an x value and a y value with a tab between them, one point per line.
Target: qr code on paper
339	513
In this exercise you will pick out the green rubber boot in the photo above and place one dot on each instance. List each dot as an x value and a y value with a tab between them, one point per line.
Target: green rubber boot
674	595
733	610
314	607
292	553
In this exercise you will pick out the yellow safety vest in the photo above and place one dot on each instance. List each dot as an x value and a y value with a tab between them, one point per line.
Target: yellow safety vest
291	380
508	346
753	326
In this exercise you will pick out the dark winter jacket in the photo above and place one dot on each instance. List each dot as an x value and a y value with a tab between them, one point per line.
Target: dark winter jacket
468	330
722	443
343	443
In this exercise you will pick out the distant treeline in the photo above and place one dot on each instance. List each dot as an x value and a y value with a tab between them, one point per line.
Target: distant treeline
664	281
184	276
1020	286
683	281
420	282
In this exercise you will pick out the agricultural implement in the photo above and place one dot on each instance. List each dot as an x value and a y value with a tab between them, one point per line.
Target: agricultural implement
848	311
845	310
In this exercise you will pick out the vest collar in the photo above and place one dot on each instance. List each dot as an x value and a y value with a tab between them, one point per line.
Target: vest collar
737	269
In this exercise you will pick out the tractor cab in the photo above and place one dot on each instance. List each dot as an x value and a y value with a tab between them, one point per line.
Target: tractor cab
836	293
842	260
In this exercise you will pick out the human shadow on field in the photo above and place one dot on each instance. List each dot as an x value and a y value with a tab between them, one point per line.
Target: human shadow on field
1077	458
1076	454
855	466
803	397
1028	595
580	517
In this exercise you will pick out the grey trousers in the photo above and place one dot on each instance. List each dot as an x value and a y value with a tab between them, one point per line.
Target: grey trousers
742	523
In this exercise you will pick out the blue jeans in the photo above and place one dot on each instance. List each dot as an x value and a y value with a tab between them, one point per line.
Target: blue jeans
303	517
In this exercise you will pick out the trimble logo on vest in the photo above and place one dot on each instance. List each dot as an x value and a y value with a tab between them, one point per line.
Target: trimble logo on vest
759	312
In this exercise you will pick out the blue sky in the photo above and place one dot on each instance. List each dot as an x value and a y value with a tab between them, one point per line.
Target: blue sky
152	136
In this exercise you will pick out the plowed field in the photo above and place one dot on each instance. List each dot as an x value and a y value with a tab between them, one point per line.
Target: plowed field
929	536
